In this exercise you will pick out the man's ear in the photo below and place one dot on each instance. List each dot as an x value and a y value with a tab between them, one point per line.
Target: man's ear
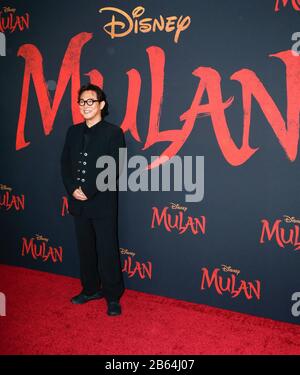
102	104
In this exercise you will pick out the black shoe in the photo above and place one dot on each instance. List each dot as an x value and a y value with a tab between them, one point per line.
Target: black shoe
83	298
113	308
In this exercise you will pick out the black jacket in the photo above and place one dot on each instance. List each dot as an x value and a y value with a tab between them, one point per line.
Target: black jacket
78	167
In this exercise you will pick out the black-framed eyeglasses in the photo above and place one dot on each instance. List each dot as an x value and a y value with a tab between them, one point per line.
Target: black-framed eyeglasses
89	102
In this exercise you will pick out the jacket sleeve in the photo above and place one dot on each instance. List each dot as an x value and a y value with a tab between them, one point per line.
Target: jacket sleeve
66	167
116	143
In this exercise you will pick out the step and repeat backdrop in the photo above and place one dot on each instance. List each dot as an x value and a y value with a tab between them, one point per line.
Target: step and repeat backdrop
208	91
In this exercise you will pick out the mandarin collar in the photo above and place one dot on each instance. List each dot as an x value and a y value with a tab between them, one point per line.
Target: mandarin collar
92	128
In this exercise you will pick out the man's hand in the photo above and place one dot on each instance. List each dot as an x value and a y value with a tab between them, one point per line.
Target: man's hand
79	194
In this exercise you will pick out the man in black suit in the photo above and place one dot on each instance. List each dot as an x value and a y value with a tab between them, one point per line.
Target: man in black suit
94	210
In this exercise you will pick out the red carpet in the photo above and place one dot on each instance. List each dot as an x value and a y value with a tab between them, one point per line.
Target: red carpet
41	320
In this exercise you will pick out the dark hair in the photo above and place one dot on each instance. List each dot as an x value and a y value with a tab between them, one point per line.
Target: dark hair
100	96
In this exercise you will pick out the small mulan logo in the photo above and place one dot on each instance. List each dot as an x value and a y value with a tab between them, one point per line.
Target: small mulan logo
38	248
10	201
10	21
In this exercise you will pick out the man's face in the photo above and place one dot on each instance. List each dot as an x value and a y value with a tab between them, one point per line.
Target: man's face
90	112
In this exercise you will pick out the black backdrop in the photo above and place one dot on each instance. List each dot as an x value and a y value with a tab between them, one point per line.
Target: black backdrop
243	200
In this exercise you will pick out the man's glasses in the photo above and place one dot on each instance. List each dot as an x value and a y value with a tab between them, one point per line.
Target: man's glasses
89	102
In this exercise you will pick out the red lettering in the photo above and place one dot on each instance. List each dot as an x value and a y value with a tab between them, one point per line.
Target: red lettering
70	70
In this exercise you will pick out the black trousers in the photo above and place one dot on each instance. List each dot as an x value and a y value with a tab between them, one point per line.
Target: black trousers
99	256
